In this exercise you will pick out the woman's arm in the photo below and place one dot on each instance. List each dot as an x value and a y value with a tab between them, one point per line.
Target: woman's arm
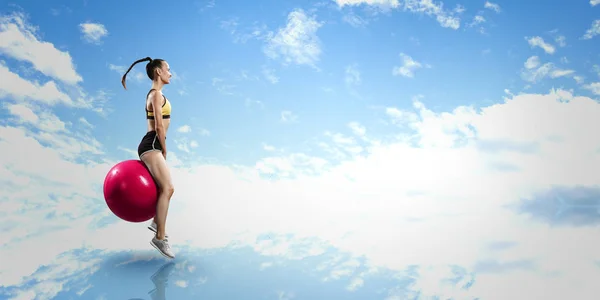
158	120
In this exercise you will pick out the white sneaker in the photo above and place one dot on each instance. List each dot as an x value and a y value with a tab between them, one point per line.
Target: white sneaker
163	247
153	227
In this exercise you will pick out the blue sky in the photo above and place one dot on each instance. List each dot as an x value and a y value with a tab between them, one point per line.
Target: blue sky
423	147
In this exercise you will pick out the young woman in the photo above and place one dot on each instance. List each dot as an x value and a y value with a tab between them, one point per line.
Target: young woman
152	150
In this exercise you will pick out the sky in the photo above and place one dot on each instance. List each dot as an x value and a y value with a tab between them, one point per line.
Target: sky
333	149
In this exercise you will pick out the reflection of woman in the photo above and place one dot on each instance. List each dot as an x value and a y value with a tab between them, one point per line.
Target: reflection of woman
160	279
152	150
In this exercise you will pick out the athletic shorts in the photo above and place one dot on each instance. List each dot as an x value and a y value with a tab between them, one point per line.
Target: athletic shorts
149	143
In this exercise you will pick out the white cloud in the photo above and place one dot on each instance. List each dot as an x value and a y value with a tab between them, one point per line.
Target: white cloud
93	32
357	129
297	42
250	103
288	116
478	19
85	122
594	2
269	74
596	69
244	35
561	40
593	31
19	41
593	87
382	3
447	168
135	74
204	132
449	183
537	41
222	86
532	62
186	145
408	67
534	71
354	20
446	18
268	147
12	85
493	6
184	129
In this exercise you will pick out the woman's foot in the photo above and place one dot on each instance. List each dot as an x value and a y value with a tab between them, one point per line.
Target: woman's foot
162	246
153	227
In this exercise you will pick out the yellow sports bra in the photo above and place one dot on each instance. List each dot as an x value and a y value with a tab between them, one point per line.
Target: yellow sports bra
165	111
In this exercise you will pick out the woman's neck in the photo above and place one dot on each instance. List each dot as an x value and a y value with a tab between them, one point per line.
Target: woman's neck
157	85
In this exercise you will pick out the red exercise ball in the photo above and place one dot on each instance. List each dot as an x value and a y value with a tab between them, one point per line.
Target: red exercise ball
130	191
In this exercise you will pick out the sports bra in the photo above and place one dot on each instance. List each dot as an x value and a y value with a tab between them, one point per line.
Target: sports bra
165	111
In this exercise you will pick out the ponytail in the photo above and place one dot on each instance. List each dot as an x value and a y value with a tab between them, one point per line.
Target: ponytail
137	61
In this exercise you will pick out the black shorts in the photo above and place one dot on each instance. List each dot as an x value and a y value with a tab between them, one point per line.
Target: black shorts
149	143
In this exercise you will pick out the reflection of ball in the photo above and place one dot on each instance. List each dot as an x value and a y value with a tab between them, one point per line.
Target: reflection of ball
130	191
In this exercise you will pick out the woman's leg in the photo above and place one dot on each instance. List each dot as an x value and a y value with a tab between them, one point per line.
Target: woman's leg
157	166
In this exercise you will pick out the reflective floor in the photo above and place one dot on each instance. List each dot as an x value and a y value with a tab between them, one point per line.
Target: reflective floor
225	274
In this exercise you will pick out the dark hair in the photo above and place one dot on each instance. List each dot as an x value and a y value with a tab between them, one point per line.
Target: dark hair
152	65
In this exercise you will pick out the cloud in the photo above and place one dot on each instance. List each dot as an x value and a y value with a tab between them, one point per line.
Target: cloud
205	5
434	176
492	6
268	147
594	2
381	3
255	31
593	31
408	67
12	85
593	87
532	62
561	40
454	175
85	122
596	69
184	129
297	42
204	132
357	129
222	86
288	117
478	19
354	20
186	145
446	18
93	32
48	93
135	74
18	40
269	74
537	41
534	71
250	103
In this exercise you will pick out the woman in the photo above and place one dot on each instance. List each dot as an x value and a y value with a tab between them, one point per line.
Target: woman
152	150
